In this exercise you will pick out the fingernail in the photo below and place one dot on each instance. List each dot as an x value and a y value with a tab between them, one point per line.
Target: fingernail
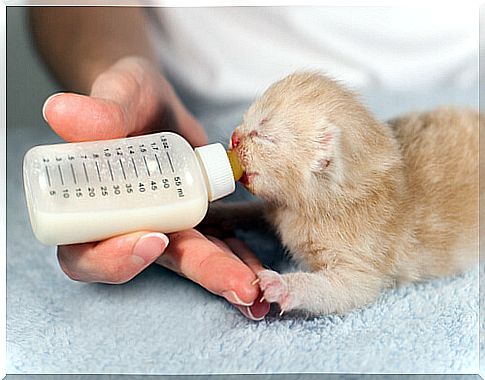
256	312
149	247
47	101
251	315
232	297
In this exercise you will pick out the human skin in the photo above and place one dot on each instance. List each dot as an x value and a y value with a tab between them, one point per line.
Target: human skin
117	92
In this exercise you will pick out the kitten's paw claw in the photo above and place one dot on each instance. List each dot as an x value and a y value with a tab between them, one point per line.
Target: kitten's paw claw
275	289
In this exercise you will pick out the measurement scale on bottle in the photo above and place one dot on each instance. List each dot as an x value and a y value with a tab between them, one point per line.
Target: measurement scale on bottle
126	168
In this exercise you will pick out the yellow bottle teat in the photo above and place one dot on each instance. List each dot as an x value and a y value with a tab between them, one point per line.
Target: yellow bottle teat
237	170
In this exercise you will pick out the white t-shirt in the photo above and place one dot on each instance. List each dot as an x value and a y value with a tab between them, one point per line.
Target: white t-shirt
228	54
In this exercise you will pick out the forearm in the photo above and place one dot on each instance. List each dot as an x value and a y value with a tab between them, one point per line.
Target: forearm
78	43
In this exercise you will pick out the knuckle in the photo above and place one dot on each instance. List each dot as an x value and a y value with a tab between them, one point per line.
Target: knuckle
186	234
132	63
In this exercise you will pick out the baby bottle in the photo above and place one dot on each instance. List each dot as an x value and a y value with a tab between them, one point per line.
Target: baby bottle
90	191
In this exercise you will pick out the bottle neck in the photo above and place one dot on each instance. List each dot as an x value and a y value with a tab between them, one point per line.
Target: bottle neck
216	170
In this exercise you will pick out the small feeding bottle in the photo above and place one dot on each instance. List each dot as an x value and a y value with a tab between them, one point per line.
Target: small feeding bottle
90	191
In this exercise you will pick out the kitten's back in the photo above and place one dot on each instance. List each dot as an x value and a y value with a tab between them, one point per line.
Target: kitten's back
441	156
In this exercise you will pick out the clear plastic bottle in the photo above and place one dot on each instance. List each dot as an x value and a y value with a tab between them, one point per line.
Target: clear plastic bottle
89	191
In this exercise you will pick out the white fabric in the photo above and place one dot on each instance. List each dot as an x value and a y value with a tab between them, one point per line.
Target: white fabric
229	53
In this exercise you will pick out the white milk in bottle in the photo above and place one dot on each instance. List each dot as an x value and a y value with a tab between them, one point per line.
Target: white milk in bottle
90	191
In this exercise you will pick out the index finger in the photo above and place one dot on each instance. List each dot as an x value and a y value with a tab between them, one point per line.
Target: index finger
245	254
219	271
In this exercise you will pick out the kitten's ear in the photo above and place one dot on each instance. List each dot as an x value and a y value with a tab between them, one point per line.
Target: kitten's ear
325	148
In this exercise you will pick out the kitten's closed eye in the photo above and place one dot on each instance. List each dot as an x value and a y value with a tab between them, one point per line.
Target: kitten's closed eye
262	137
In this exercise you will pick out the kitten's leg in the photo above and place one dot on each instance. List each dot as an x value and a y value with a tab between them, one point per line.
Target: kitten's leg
322	292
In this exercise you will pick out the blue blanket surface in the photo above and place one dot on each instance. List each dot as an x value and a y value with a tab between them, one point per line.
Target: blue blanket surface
162	323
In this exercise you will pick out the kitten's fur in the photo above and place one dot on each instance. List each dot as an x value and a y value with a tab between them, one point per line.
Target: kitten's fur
361	204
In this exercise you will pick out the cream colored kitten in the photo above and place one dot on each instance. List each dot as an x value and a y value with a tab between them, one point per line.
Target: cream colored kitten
361	204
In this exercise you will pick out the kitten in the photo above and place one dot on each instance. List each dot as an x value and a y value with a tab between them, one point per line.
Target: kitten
362	205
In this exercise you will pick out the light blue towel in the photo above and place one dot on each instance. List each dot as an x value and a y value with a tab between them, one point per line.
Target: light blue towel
161	323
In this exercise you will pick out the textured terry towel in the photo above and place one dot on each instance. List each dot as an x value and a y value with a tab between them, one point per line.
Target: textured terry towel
161	323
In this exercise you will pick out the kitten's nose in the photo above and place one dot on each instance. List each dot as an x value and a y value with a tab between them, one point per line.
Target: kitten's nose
235	139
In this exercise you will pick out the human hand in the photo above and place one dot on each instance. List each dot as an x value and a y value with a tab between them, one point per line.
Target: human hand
132	98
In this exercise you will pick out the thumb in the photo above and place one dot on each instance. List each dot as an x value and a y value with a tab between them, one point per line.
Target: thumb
82	118
117	108
111	111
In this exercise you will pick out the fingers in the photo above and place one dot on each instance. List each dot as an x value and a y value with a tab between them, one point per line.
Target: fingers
245	254
130	98
256	312
209	263
211	266
228	283
113	261
119	105
137	89
82	118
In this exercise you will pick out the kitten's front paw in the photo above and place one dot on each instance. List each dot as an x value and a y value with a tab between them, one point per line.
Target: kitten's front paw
275	289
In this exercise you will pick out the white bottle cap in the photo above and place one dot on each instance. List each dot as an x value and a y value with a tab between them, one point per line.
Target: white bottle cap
217	168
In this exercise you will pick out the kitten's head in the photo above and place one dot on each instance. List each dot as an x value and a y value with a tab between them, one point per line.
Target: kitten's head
290	137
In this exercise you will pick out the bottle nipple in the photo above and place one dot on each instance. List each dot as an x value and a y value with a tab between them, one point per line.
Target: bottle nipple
237	170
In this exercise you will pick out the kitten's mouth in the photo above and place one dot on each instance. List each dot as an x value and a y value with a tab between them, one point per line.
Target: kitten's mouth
247	178
237	165
244	179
